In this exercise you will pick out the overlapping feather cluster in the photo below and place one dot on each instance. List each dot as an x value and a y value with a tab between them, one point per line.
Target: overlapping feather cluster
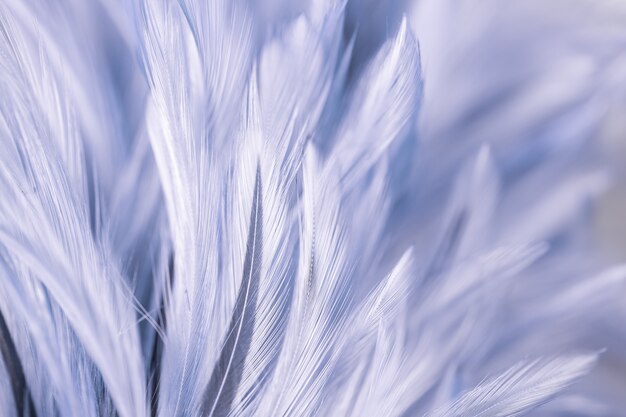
220	208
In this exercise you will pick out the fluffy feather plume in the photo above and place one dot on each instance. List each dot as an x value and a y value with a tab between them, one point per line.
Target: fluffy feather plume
307	208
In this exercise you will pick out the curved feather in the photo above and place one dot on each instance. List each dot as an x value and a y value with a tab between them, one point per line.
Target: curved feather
224	381
368	350
382	107
190	84
277	270
48	231
322	296
521	388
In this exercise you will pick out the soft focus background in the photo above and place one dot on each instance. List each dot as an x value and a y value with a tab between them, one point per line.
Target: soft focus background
532	51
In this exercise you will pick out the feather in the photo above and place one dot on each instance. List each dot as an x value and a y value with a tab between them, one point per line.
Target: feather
225	378
189	174
54	241
307	208
23	400
323	294
520	388
274	290
383	105
371	343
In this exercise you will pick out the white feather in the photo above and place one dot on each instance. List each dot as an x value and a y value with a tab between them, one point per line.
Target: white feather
520	388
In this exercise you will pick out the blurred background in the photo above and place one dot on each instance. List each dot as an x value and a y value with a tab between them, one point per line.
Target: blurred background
493	70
